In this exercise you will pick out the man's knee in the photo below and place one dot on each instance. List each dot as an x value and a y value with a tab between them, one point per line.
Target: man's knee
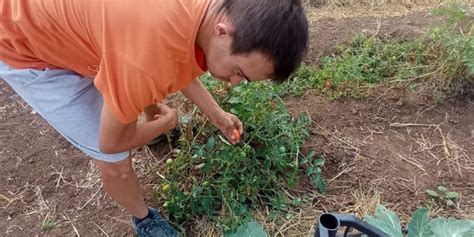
116	170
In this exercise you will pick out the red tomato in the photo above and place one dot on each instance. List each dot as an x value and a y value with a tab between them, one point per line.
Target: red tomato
328	84
236	135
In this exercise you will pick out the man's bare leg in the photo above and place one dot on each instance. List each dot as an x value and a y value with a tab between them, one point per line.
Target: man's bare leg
120	183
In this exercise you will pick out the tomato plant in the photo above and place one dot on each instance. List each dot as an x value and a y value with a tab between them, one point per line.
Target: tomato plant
209	176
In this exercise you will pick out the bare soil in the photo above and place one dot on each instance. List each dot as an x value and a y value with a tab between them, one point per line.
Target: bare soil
395	143
387	149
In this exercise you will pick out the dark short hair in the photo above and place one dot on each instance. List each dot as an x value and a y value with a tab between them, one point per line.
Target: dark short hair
276	28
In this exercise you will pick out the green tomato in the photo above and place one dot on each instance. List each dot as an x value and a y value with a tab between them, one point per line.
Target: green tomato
169	161
166	188
205	183
165	205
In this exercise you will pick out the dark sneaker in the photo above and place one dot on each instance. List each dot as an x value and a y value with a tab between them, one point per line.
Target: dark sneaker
174	134
154	227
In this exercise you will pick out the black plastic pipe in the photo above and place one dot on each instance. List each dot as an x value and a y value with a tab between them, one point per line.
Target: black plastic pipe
329	223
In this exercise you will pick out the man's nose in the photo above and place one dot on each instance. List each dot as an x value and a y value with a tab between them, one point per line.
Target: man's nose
235	79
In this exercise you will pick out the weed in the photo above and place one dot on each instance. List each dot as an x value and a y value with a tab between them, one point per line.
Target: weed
444	196
313	170
250	228
439	62
48	223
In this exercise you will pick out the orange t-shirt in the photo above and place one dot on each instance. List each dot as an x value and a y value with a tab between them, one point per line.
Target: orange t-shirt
137	51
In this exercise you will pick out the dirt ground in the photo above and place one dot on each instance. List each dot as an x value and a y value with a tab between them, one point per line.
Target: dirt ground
386	149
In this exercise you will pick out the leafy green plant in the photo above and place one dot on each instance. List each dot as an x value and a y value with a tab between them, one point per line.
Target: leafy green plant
313	170
48	223
251	228
305	77
443	227
385	220
438	62
420	225
209	176
443	195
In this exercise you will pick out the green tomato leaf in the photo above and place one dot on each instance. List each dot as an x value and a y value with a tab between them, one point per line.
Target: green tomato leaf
303	161
237	88
310	155
452	195
432	193
319	183
442	188
234	100
452	227
296	201
319	162
211	142
251	228
386	220
419	225
321	186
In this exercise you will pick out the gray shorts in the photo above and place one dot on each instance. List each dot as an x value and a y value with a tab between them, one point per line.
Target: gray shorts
68	101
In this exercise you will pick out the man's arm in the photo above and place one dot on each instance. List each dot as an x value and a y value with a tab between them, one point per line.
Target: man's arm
198	94
226	122
117	137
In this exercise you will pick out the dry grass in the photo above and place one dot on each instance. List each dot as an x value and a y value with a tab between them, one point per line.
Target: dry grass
365	201
297	222
300	221
447	152
7	199
92	177
340	9
360	3
205	228
36	205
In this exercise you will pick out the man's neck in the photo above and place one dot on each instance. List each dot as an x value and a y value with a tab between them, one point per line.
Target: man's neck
213	16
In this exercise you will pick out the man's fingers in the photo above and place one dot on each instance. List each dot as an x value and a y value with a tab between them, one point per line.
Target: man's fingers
238	124
164	109
240	127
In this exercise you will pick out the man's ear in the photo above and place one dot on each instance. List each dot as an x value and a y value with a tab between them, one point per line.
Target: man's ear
223	29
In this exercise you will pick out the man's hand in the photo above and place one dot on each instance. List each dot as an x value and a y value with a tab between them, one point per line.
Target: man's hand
227	123
162	111
115	137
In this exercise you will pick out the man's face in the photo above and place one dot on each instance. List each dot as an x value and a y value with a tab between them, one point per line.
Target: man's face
222	65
